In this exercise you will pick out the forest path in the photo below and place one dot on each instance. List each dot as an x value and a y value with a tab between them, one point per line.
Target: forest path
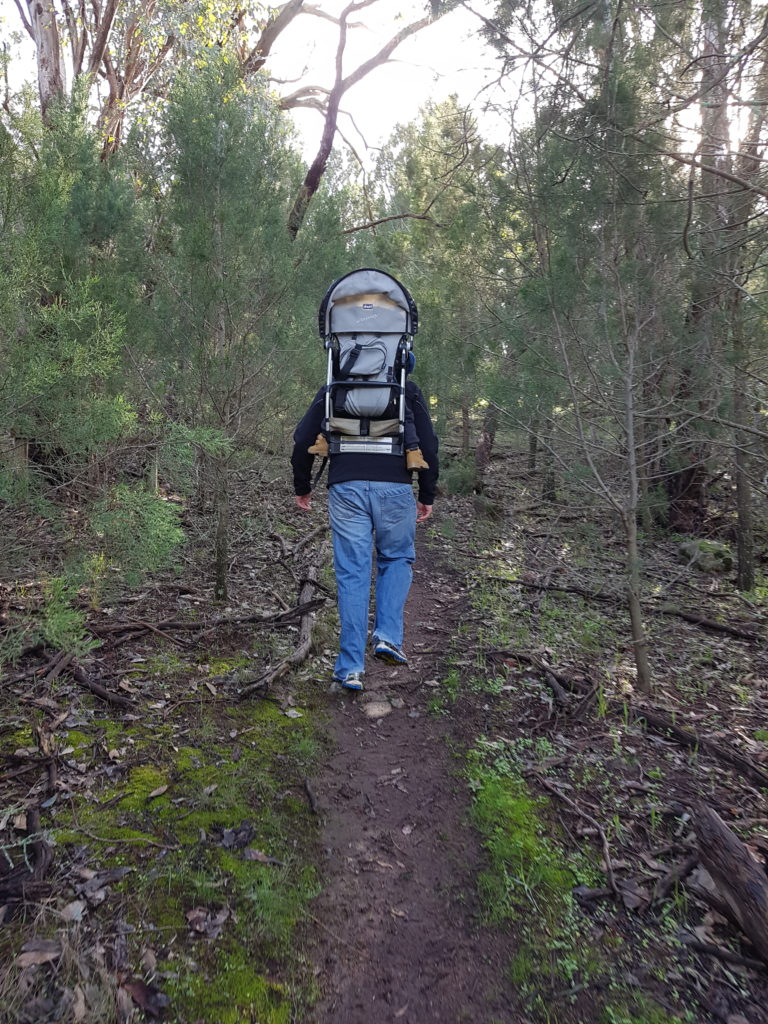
398	937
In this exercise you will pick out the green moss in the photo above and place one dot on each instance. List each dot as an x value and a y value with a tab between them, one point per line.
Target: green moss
636	1009
168	663
141	782
18	739
761	735
524	865
244	765
222	666
76	739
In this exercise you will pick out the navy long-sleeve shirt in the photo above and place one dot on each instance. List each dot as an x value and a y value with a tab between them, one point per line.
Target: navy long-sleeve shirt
364	466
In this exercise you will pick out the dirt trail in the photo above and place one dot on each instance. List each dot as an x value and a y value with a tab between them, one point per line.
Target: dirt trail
398	938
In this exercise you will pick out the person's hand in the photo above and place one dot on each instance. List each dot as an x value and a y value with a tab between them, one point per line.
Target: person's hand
422	511
303	501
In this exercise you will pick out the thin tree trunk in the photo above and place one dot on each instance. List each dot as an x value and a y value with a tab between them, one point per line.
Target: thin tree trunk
485	447
221	571
533	444
465	430
745	541
634	578
548	476
221	472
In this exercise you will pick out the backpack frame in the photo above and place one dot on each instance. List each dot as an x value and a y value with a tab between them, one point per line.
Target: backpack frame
367	321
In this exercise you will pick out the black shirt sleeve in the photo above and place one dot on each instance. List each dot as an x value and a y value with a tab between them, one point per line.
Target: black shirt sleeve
303	437
428	442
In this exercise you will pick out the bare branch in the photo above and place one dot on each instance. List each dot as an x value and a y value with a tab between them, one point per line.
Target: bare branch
297	98
24	20
258	55
102	36
341	85
385	220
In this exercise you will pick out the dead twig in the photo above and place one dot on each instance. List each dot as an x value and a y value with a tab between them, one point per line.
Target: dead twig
305	630
82	679
311	797
552	788
722	954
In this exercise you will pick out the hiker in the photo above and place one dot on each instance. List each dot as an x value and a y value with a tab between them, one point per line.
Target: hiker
370	490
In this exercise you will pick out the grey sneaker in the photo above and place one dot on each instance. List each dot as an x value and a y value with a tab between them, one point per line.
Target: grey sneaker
388	653
354	681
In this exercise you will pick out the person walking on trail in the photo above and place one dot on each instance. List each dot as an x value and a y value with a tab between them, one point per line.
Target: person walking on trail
370	499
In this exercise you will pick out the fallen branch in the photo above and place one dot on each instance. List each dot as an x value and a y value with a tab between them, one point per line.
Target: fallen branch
82	679
542	666
306	629
692	740
722	954
705	623
281	618
738	876
596	595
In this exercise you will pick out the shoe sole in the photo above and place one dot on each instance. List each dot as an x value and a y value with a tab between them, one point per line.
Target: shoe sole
389	659
355	687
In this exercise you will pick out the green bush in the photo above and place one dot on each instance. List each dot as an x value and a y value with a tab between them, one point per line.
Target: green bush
458	477
138	531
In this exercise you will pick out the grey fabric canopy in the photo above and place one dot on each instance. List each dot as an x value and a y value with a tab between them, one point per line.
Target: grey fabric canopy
369	301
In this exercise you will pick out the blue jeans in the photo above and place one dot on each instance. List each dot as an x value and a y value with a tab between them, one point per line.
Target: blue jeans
361	510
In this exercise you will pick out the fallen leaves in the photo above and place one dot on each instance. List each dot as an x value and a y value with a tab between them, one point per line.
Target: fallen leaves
38	951
204	922
149	998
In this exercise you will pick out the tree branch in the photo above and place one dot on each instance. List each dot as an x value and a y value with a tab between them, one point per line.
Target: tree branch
258	55
24	20
316	170
102	36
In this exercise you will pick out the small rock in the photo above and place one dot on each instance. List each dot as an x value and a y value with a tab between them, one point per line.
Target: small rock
707	555
397	702
377	709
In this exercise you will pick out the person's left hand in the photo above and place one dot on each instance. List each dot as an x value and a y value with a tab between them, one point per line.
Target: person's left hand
303	501
422	511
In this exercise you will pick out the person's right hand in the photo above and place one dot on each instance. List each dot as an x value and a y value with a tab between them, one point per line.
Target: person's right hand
303	501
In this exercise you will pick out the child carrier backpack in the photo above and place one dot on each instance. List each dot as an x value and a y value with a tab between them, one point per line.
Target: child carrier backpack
367	322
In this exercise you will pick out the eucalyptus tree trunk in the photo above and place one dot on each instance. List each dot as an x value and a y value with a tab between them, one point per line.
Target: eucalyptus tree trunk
698	384
45	32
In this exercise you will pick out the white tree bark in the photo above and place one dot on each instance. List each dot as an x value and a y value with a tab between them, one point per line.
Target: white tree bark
45	32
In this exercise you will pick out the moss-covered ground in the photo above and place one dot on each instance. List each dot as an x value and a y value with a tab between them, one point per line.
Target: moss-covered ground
205	802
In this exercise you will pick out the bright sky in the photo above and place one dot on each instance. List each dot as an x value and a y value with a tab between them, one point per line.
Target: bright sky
447	57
